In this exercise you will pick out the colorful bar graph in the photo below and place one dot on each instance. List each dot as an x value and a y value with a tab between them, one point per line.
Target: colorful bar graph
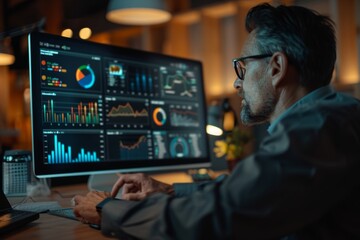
62	154
82	113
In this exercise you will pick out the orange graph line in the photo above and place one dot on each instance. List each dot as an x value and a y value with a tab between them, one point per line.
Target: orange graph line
126	111
135	145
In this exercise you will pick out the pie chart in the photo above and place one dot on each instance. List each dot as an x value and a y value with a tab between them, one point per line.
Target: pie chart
85	76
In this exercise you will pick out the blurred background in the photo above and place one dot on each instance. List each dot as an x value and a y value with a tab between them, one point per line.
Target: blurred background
211	31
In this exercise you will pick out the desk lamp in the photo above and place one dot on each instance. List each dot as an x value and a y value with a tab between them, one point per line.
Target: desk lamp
221	117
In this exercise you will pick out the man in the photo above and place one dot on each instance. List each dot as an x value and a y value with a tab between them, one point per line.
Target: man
303	182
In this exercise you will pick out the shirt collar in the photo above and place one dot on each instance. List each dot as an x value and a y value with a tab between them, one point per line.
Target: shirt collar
309	98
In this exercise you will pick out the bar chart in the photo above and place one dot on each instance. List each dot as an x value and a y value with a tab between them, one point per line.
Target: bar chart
72	110
71	148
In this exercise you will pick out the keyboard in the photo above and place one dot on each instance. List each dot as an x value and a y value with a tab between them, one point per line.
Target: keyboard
64	212
38	207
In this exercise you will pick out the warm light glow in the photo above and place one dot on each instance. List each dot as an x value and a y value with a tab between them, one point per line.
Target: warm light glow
229	121
221	10
202	171
212	130
138	16
350	77
85	33
6	59
67	33
188	17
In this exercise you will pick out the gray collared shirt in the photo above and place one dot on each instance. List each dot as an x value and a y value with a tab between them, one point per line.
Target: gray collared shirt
302	183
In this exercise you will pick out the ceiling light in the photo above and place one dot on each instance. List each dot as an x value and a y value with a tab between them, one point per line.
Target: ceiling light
137	12
67	33
6	54
85	33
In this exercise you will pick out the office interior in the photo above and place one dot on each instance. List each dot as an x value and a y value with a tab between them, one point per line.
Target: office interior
211	31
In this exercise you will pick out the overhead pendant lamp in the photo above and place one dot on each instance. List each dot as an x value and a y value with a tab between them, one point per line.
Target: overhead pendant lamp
6	54
137	12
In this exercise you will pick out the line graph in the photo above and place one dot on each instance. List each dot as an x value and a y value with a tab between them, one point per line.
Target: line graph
184	115
133	147
132	144
129	146
178	83
126	112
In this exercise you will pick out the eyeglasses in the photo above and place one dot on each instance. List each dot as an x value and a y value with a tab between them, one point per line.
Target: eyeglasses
239	69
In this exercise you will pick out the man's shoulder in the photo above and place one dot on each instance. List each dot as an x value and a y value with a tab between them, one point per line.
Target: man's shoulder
335	110
337	105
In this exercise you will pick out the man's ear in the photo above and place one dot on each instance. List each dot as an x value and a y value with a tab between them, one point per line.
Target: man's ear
278	68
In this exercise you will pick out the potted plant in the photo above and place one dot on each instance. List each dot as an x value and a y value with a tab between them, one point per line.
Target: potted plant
232	146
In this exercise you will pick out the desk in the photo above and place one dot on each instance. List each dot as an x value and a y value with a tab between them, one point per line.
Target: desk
54	227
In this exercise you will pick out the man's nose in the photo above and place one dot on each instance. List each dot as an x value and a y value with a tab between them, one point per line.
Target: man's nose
238	83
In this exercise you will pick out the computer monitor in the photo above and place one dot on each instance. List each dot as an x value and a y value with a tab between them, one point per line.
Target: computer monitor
97	108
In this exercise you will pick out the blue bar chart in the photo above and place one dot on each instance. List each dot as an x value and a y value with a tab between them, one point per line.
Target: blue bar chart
125	77
69	149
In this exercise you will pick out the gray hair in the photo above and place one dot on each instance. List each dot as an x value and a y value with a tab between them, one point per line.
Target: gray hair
306	37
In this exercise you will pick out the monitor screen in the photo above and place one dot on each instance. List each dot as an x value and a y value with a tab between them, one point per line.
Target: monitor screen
97	108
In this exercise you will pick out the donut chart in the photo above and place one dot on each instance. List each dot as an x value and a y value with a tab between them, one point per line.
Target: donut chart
85	76
159	116
179	147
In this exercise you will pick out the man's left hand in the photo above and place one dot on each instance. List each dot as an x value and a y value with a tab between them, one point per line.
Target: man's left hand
85	207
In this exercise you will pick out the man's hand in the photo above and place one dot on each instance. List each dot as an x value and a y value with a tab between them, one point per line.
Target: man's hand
85	206
138	186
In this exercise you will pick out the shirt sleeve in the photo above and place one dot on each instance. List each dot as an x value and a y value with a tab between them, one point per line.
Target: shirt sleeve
286	185
186	189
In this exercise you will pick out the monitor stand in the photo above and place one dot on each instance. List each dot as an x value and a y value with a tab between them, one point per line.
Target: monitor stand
38	187
102	182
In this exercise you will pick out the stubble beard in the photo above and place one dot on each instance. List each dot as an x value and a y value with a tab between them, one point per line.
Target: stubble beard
249	118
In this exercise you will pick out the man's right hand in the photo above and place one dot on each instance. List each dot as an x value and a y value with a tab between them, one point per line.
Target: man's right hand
138	186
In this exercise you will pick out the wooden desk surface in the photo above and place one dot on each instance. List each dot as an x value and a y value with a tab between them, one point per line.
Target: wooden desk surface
54	227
